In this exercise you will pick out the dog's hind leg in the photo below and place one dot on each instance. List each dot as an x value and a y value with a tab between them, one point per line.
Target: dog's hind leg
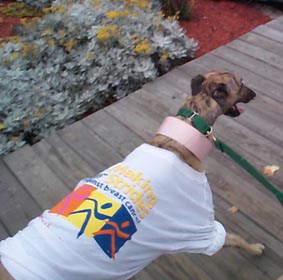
234	240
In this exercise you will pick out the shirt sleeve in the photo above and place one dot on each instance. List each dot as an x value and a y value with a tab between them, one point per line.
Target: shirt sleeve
217	239
207	242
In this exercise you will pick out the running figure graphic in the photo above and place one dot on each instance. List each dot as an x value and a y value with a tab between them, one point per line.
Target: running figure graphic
96	214
114	233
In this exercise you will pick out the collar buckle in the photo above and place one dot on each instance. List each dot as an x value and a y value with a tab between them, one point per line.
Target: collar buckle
190	118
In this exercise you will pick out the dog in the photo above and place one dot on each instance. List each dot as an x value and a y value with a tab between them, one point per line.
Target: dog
156	201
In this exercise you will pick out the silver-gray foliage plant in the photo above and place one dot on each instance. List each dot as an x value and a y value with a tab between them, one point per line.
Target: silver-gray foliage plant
77	57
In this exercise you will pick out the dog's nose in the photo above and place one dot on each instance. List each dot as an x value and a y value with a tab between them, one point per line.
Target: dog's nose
253	94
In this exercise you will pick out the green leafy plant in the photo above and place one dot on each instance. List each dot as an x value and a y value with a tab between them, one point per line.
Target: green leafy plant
181	8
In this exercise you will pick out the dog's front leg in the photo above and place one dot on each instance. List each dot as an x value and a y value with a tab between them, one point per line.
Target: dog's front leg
234	240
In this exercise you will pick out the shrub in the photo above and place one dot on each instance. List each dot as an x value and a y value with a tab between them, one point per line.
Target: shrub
78	56
182	8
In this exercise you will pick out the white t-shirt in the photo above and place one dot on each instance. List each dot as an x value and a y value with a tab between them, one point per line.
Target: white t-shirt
115	224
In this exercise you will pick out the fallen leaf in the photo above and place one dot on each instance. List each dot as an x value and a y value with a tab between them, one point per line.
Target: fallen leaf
233	209
269	170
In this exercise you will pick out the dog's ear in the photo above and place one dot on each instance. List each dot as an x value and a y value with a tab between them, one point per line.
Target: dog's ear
220	94
196	84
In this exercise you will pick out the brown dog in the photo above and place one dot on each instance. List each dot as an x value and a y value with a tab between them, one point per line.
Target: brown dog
213	95
132	210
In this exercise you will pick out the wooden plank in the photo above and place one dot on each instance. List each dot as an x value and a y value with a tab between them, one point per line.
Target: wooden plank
260	68
257	52
41	183
276	24
173	267
62	160
3	232
263	42
113	132
269	33
92	149
17	207
227	264
136	117
171	85
259	84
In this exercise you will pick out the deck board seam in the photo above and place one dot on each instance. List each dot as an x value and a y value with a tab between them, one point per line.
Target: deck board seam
241	66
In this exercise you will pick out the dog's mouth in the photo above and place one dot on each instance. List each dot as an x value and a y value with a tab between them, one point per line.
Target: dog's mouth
248	95
234	111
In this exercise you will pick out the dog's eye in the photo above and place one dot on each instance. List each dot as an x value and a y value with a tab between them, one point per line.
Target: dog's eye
222	87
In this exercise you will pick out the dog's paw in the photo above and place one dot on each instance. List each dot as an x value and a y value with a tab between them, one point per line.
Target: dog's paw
257	249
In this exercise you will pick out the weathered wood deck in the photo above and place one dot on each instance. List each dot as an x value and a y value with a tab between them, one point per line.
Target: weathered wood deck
35	178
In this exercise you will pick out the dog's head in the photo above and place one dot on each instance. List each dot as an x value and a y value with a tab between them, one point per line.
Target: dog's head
225	88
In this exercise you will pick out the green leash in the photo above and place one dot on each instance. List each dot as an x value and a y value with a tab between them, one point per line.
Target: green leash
205	129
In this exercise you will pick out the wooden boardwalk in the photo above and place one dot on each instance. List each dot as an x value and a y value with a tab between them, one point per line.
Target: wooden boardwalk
35	178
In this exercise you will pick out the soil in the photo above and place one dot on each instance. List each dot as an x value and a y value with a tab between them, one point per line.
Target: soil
214	22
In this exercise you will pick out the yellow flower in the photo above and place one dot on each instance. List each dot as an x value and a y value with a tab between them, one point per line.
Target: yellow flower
115	14
23	21
37	113
107	32
164	56
1	126
25	49
47	32
143	47
112	14
138	3
124	13
14	39
60	9
70	44
14	55
51	42
26	123
143	4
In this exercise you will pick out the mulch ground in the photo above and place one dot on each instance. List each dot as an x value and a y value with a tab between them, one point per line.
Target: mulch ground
214	22
7	22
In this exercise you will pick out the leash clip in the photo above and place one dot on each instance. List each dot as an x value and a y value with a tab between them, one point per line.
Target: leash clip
209	132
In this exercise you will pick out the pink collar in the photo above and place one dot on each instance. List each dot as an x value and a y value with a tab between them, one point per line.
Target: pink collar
186	135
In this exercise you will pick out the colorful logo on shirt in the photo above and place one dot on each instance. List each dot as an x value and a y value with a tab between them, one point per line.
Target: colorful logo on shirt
98	217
